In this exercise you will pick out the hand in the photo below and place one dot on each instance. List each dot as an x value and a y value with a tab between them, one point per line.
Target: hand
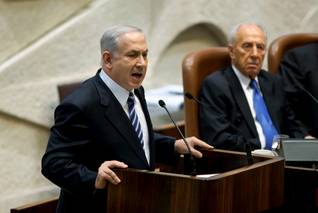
181	148
106	174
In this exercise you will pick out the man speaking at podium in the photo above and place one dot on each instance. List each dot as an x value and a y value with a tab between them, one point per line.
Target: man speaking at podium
245	105
105	124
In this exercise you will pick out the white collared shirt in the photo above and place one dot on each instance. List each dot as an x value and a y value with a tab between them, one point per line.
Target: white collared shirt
248	91
121	95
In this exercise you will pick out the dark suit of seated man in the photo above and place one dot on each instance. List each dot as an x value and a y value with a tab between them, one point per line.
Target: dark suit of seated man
105	124
237	112
299	69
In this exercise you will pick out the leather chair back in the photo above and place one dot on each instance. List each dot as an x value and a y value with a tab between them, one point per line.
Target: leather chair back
283	43
195	67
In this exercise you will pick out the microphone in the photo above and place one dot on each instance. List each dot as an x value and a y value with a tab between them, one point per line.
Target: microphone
190	96
193	164
249	156
307	92
248	149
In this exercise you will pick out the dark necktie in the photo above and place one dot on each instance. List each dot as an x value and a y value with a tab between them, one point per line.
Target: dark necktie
262	115
134	118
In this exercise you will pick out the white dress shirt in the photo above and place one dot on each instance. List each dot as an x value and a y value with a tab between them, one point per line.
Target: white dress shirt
248	91
121	95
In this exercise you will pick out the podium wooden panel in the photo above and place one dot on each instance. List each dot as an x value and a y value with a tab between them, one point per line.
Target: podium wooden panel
236	187
43	206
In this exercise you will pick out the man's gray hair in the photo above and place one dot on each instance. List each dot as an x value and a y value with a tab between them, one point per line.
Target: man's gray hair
233	32
109	40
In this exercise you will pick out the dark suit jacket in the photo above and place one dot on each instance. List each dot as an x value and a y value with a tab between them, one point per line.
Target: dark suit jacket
91	127
226	120
299	68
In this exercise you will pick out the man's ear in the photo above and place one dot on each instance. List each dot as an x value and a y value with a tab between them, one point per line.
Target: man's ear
230	48
107	59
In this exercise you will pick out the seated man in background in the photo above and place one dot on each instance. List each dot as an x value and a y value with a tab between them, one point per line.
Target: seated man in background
105	124
245	105
299	70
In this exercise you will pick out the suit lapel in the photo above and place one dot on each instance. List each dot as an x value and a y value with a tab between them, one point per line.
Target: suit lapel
240	99
266	87
115	115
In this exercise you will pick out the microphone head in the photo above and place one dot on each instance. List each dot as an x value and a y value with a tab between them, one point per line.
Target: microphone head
161	103
188	95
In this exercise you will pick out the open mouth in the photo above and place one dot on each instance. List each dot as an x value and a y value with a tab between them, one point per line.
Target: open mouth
137	75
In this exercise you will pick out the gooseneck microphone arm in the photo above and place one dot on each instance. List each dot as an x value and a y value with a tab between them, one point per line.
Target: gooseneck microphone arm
308	93
193	166
300	86
191	97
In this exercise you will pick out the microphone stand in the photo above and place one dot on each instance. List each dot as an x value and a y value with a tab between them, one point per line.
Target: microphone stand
193	170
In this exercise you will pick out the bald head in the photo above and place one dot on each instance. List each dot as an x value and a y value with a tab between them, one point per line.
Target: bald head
233	33
247	48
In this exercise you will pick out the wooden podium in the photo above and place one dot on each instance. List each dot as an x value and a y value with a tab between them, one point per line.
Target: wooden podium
230	185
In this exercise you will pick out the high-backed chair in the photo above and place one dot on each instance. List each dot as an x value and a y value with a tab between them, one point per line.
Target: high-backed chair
283	43
195	67
66	89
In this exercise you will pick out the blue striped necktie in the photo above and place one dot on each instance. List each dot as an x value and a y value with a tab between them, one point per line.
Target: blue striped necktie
262	115
134	118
